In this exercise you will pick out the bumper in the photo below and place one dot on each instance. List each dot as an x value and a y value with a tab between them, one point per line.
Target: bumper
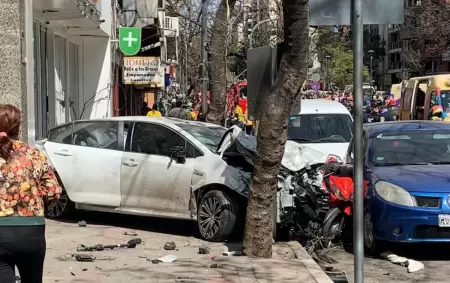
396	223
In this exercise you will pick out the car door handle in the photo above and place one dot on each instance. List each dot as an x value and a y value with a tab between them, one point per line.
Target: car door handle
63	152
130	163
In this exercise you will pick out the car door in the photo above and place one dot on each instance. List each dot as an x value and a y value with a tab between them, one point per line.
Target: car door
89	167
150	178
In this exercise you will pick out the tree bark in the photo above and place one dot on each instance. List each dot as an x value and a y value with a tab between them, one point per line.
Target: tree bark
217	69
272	133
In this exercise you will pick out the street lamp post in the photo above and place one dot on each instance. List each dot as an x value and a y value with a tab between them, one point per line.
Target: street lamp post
250	35
326	82
371	68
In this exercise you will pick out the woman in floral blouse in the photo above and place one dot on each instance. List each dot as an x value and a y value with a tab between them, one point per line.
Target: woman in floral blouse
25	181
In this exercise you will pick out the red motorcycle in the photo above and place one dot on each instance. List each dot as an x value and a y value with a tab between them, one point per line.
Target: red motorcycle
338	180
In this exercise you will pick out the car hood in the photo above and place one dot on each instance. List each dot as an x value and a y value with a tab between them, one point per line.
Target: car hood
339	149
296	156
417	178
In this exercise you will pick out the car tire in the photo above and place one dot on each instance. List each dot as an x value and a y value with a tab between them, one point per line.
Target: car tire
217	216
372	246
60	208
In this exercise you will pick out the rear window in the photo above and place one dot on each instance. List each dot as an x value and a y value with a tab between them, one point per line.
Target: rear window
320	128
61	134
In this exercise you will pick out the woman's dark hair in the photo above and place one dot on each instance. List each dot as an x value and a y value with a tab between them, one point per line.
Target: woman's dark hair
155	107
10	117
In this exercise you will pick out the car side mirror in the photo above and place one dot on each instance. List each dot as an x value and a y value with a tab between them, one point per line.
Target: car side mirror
178	153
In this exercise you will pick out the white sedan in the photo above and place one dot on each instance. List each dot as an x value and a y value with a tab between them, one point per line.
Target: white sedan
154	166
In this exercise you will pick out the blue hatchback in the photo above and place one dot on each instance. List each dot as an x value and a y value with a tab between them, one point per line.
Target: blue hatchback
407	165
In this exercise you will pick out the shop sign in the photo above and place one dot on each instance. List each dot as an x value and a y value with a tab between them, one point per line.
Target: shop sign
142	70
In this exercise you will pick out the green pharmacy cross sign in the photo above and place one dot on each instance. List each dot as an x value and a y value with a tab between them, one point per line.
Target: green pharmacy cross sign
130	40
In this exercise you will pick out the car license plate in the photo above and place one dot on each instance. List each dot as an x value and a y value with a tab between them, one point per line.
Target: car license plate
444	220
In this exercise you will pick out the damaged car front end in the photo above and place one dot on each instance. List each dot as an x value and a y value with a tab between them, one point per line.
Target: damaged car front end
302	199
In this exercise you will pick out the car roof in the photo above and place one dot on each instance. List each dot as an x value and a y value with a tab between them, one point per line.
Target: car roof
374	129
320	106
160	120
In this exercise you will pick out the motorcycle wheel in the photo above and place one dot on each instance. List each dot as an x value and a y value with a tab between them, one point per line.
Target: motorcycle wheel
332	229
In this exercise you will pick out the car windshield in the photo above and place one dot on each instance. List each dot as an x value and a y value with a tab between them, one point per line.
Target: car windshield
210	136
320	128
411	148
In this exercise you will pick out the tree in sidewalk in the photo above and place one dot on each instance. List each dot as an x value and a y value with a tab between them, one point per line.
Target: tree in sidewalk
272	133
427	31
217	68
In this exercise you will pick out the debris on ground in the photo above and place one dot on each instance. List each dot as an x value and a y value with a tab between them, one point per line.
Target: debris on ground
204	250
227	252
131	244
130	233
82	223
214	265
170	246
164	259
411	265
84	269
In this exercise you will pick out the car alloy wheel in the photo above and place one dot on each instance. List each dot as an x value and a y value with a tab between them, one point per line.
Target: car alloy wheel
210	212
56	208
368	231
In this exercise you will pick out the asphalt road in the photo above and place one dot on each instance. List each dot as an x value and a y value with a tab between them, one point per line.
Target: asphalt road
435	258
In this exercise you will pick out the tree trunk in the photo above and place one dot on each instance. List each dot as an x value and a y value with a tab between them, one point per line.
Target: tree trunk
272	133
217	69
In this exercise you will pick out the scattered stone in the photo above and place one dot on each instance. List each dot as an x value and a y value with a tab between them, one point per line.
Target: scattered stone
71	273
84	269
82	223
155	261
387	274
204	250
214	265
170	246
130	233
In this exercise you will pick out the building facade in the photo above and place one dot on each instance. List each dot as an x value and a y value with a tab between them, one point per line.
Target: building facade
74	61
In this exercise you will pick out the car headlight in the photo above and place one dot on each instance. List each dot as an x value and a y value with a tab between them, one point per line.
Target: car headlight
393	193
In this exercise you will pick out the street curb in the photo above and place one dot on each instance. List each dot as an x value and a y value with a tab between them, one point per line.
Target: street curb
313	268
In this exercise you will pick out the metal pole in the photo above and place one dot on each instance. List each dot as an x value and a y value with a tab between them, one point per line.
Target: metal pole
371	70
358	210
204	56
186	73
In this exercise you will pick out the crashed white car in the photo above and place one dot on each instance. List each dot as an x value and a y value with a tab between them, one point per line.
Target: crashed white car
154	166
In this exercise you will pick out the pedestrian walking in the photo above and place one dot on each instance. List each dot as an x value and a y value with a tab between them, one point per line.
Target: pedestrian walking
179	112
26	180
154	111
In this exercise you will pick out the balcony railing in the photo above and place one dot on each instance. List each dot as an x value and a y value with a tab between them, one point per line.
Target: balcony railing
395	45
395	65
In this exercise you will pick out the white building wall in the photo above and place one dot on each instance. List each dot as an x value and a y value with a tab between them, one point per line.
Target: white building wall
78	70
95	96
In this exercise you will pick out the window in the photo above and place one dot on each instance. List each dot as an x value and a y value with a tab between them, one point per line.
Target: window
209	136
411	148
434	99
97	134
320	128
61	134
158	140
407	99
168	23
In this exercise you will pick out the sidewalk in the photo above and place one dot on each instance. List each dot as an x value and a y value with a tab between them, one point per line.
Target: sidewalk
135	265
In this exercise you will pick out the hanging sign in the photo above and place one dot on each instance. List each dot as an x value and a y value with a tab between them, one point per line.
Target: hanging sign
130	40
142	70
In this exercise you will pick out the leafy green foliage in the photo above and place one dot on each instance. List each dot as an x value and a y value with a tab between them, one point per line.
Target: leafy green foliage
340	63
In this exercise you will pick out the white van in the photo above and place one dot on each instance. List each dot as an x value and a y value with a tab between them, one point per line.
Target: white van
323	125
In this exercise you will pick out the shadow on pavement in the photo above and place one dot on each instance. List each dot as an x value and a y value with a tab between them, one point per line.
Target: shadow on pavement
132	222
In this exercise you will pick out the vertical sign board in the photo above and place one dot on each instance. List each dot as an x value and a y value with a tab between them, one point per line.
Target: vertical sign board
337	12
259	69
